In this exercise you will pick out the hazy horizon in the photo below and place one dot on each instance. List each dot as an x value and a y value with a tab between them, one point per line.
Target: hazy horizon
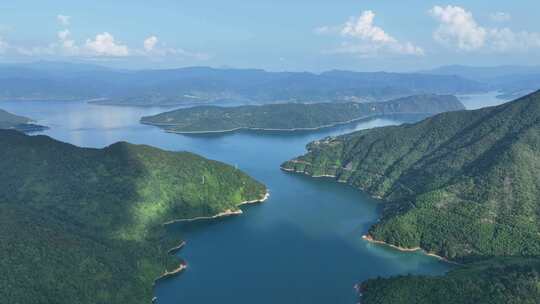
106	65
351	35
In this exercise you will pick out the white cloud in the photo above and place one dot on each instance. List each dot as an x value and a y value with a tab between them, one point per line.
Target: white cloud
63	20
150	43
363	28
63	35
67	43
102	45
366	39
105	45
500	17
506	40
458	28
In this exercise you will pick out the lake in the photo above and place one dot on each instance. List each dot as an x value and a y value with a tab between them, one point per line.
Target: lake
477	101
303	245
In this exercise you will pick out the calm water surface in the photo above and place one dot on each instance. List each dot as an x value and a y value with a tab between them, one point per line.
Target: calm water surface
477	101
301	246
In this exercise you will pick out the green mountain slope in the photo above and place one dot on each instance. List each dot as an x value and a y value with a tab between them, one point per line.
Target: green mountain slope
294	116
84	225
463	185
499	280
23	124
459	184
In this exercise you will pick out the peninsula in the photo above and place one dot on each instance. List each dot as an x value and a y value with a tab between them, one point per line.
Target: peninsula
464	186
19	123
89	223
294	116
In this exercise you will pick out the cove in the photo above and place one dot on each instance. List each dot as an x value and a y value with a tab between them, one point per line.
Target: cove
303	245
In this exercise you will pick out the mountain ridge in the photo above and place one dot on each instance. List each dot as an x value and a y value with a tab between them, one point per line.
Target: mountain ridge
49	81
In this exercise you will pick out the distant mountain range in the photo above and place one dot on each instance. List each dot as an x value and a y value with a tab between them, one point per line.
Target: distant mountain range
512	81
203	85
198	85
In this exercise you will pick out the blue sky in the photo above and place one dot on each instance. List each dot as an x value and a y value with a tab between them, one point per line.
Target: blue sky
296	35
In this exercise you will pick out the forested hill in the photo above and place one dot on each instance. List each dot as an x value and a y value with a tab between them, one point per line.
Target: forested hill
23	124
464	185
86	225
294	116
510	280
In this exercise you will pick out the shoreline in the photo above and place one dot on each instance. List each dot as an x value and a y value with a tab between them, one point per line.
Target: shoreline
175	249
183	264
226	213
368	238
162	125
168	274
329	176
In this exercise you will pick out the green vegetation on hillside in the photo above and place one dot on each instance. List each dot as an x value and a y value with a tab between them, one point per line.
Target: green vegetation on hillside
23	124
293	116
499	280
84	225
463	185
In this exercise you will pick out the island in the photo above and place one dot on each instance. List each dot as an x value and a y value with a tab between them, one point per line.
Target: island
82	225
294	116
19	123
463	186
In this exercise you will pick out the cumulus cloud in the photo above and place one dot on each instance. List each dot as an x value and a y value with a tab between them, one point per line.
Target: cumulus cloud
104	44
63	20
500	17
458	28
150	43
367	39
363	28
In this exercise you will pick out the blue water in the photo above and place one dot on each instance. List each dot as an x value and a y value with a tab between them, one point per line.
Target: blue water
477	101
301	246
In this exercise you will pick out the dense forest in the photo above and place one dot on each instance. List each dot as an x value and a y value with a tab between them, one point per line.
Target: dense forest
23	124
463	185
294	116
498	280
82	225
